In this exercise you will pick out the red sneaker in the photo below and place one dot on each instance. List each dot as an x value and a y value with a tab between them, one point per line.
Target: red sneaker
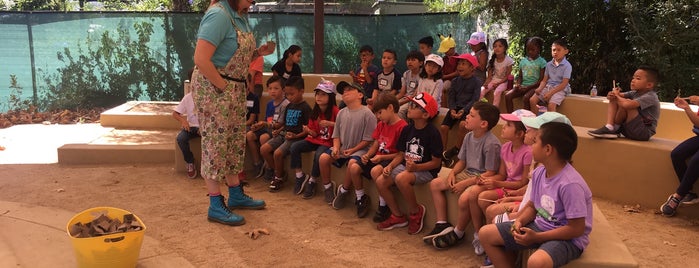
416	220
191	171
392	222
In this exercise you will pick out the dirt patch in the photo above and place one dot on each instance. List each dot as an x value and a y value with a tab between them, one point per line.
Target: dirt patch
302	232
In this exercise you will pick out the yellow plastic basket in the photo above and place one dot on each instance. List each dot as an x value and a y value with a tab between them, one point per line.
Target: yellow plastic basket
115	250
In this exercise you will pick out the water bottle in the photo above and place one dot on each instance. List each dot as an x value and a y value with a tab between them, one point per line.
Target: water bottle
593	91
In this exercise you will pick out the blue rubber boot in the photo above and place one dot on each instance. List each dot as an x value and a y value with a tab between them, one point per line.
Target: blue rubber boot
238	199
218	212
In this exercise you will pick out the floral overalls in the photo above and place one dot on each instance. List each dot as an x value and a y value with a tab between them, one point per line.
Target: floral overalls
222	115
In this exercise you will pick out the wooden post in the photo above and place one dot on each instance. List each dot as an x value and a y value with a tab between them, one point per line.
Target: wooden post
318	35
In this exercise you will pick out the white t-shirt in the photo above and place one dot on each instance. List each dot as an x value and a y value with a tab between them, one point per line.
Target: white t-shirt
500	68
186	107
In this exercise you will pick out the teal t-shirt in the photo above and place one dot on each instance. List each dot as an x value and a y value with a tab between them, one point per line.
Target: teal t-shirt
531	70
216	27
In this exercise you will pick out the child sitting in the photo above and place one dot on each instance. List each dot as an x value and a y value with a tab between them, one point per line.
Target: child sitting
288	66
431	77
513	176
531	72
319	130
417	162
554	87
295	117
351	137
464	93
409	82
365	73
507	208
685	162
479	49
381	152
479	157
425	45
499	68
557	220
262	130
635	113
190	130
388	81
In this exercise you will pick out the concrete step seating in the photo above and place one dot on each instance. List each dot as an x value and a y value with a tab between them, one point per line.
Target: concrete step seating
623	170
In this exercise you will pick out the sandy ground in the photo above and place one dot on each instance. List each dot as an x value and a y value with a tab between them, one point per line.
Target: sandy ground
303	232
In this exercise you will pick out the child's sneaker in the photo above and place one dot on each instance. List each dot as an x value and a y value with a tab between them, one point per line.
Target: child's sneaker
487	263
604	133
382	214
309	190
416	220
439	229
690	199
276	185
191	170
339	200
330	193
393	221
451	153
670	206
363	206
477	248
446	239
300	183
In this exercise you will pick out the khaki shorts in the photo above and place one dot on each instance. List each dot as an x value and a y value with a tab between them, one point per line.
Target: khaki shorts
465	175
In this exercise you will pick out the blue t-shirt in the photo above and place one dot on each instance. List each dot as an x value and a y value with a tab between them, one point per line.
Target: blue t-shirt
217	29
556	74
368	87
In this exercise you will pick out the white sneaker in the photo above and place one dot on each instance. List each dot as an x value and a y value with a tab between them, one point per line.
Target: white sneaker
477	248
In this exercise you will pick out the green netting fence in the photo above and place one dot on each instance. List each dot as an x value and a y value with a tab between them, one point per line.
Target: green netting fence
77	59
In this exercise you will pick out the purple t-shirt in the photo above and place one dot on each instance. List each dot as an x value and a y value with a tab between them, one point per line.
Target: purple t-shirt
515	161
562	197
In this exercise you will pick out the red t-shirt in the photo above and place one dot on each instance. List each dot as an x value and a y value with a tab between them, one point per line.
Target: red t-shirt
257	65
325	134
387	136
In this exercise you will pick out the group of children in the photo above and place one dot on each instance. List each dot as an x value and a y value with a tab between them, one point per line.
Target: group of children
526	186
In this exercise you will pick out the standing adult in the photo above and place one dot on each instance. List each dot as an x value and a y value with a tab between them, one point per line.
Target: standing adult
225	47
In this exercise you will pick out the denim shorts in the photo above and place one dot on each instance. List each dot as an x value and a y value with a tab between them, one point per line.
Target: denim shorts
343	161
366	168
560	251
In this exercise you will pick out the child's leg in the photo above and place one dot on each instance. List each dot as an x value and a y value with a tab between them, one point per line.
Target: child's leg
264	138
354	175
279	155
492	241
497	94
347	182
551	107
475	210
444	132
539	259
267	152
183	141
533	101
325	162
437	187
383	185
511	95
315	171
487	195
461	134
486	89
405	181
464	211
624	115
251	141
525	99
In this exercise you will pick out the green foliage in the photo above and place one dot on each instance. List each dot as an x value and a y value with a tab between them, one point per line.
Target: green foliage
339	50
14	100
608	40
110	71
30	5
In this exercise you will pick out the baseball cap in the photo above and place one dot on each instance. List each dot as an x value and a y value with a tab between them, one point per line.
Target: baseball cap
436	59
342	85
517	115
470	58
427	102
447	43
536	122
476	38
326	86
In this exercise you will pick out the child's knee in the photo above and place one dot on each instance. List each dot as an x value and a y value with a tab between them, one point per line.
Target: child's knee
540	259
489	234
405	178
279	153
